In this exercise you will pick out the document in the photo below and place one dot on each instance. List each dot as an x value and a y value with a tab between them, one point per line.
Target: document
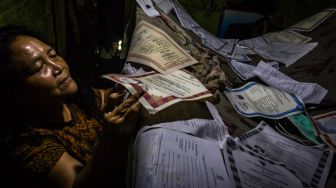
167	158
274	64
148	8
310	164
243	70
327	122
185	19
308	92
286	53
223	47
161	91
151	46
248	169
129	69
220	46
164	5
305	126
286	36
326	128
242	50
254	99
312	22
208	129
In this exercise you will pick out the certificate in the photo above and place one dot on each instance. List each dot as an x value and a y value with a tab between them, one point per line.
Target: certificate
151	46
254	99
161	90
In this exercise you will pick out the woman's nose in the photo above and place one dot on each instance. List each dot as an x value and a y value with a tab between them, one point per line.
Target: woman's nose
58	70
56	67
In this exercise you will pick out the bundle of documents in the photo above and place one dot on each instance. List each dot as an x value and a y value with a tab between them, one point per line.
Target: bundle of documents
189	154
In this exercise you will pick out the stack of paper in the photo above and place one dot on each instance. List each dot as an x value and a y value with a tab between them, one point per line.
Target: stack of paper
189	154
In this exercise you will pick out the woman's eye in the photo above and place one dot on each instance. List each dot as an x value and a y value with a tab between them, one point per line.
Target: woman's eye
53	54
39	67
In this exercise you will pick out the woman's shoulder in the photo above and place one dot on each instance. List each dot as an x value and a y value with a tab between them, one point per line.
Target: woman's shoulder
26	137
30	152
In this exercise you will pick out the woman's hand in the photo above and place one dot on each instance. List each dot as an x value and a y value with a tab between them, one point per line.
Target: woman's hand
124	117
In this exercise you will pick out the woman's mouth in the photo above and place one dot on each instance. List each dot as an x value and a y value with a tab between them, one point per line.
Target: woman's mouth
66	82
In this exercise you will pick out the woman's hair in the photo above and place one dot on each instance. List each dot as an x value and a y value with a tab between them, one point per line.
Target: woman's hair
7	35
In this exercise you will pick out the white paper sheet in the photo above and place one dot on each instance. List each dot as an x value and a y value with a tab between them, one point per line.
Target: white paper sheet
164	5
254	99
242	50
287	53
308	92
166	158
208	129
148	8
129	69
243	70
247	169
185	19
161	91
220	46
311	164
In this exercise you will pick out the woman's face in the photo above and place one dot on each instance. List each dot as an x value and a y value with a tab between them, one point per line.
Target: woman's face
45	75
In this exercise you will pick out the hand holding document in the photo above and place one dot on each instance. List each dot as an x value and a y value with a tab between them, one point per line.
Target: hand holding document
153	47
161	91
254	99
310	164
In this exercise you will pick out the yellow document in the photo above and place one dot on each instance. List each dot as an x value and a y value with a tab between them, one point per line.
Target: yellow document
153	47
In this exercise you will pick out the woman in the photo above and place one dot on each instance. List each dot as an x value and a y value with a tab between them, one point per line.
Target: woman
61	133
